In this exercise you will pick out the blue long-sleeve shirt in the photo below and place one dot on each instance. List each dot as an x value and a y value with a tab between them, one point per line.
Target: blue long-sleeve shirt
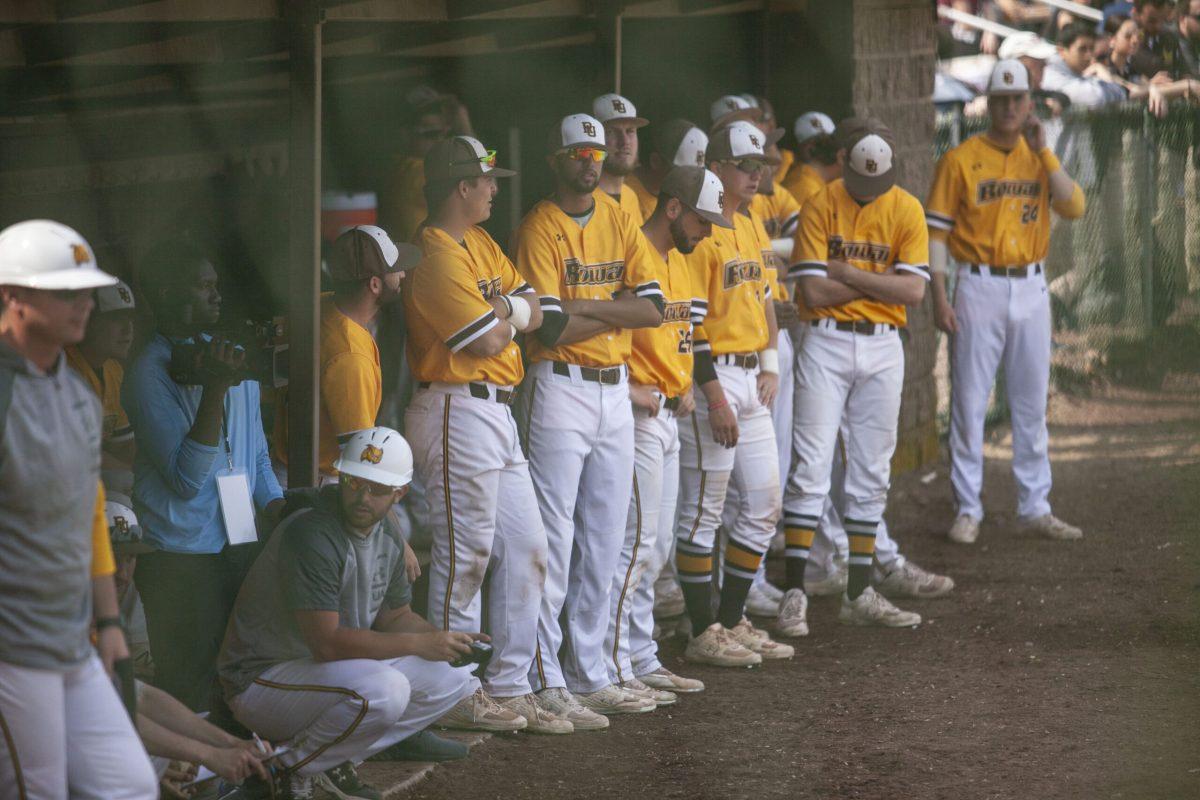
174	476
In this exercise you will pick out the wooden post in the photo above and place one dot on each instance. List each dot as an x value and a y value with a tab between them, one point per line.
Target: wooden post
304	231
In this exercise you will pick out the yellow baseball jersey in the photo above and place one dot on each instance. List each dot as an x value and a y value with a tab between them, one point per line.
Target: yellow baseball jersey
803	181
787	160
107	386
775	268
563	261
730	285
647	202
662	356
446	308
628	202
993	204
886	234
103	562
779	212
402	206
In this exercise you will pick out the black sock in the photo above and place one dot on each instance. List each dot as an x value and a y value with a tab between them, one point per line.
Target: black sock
741	566
862	553
798	533
694	565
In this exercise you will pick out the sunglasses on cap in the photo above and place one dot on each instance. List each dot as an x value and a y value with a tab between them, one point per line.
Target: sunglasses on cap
748	165
585	154
488	160
374	489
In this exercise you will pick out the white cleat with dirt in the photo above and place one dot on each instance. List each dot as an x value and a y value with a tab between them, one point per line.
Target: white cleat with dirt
479	712
716	647
965	529
561	703
660	697
614	700
538	718
832	584
759	601
1049	526
909	580
663	678
793	614
668	599
759	641
872	608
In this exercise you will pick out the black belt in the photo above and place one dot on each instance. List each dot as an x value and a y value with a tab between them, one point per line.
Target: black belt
480	391
610	376
859	326
744	360
671	404
1007	272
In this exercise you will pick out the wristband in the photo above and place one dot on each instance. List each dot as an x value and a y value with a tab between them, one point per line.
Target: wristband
1049	160
507	304
518	312
107	622
768	360
718	405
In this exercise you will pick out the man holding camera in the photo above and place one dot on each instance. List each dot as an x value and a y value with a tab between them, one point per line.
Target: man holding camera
200	471
323	651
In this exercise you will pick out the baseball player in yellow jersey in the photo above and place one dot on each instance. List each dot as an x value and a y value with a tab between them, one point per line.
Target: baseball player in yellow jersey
660	383
675	143
463	305
989	208
621	124
596	279
863	257
730	441
816	157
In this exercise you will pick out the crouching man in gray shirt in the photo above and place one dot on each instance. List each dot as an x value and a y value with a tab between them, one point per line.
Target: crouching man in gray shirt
322	652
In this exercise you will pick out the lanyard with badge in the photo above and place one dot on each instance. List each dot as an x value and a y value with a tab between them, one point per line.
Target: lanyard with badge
233	492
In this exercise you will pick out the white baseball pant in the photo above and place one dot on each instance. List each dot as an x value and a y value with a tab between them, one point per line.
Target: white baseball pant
854	377
708	469
66	734
330	712
484	520
1005	321
580	444
649	532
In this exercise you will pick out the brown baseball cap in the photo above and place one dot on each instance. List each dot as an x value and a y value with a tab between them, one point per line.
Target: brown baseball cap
870	157
680	142
462	157
700	190
365	251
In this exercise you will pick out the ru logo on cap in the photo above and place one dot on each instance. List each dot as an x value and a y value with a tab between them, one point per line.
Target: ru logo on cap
589	128
618	105
1008	78
721	200
872	167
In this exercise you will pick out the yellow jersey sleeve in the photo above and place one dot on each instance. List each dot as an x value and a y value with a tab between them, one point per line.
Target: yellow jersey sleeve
944	197
452	300
114	376
812	240
102	555
349	390
912	239
537	260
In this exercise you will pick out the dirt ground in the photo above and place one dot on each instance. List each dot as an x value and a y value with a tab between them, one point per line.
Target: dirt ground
1054	670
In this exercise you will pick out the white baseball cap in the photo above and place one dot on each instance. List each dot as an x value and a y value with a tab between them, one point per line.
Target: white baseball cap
870	170
736	141
380	455
118	297
732	107
124	531
811	125
43	254
700	190
577	130
1027	44
615	108
1008	77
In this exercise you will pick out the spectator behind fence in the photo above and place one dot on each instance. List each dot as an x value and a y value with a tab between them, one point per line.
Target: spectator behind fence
1125	39
127	544
366	267
1068	70
197	421
323	650
1162	51
98	358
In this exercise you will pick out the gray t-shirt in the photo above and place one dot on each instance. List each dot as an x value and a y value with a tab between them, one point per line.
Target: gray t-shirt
312	562
49	473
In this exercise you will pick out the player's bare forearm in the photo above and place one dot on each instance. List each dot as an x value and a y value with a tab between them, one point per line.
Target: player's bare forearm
772	323
822	292
402	620
167	712
900	288
713	392
580	327
165	743
626	311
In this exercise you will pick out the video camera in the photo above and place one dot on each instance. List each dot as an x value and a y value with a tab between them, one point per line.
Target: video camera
264	342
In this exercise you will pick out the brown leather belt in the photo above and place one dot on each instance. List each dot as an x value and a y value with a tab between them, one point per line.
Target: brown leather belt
671	404
744	360
610	376
480	390
1006	272
859	326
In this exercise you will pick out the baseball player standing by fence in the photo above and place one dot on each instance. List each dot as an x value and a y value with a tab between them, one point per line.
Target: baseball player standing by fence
730	441
596	279
464	305
660	383
989	208
863	256
63	731
621	124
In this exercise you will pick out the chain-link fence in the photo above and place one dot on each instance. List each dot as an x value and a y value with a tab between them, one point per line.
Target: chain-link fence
1124	277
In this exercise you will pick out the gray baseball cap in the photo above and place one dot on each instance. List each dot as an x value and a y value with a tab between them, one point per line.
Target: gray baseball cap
700	190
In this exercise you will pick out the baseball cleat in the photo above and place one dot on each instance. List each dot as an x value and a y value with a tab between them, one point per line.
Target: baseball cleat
834	583
298	787
717	647
423	746
793	614
660	697
614	700
872	608
478	712
760	641
563	704
668	599
663	678
342	782
965	529
909	580
759	602
538	718
1051	527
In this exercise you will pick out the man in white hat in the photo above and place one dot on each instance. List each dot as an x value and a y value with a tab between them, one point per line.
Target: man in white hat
989	208
66	732
621	124
323	650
